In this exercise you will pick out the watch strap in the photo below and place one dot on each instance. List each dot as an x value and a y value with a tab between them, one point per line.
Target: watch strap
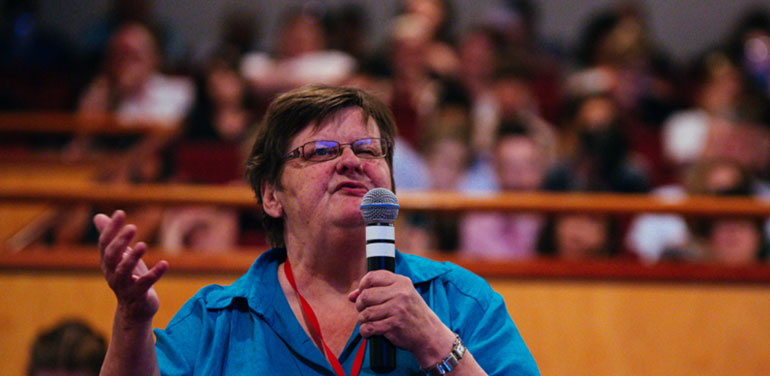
449	363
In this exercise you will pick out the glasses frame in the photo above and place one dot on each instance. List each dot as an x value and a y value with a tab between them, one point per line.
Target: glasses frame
300	151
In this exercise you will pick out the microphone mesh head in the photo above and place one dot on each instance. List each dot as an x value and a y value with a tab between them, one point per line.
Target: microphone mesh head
379	205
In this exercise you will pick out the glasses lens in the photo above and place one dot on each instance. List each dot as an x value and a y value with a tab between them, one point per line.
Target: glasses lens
369	148
320	150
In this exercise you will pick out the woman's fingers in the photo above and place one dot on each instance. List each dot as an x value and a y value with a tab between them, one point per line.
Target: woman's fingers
110	228
125	268
101	221
373	296
114	252
145	281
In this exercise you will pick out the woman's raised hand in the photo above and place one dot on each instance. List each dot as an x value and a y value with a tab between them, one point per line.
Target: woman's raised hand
124	270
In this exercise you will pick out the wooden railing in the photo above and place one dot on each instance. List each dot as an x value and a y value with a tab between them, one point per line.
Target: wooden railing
236	261
75	124
242	196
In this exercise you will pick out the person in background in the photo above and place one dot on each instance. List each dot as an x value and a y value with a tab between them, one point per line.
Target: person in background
749	44
597	151
70	348
579	237
519	166
131	87
735	241
130	84
618	57
512	99
661	237
210	151
301	56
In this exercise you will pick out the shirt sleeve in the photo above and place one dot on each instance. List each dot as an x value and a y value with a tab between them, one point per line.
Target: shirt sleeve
176	346
481	319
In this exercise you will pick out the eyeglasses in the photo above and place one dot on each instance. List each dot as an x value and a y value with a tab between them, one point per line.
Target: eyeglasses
324	150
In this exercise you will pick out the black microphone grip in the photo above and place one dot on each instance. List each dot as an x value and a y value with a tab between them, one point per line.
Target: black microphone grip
382	353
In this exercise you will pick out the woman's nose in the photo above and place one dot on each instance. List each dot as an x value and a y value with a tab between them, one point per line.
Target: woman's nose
348	159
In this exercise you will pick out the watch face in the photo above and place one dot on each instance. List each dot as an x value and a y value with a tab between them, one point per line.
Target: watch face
459	349
450	362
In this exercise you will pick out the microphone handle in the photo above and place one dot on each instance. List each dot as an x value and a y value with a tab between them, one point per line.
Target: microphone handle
382	353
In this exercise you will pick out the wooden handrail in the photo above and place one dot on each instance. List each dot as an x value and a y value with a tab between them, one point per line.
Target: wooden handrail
242	196
72	258
77	124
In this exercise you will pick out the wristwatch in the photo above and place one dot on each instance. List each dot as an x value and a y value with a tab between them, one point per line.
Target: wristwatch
450	362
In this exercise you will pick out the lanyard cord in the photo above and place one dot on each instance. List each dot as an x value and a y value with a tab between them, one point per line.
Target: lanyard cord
311	317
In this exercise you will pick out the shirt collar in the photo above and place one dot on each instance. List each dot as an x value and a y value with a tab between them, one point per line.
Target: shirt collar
260	284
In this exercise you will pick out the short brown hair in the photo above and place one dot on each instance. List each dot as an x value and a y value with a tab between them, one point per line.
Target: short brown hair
288	115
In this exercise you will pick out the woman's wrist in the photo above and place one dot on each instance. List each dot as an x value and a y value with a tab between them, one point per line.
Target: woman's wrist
435	349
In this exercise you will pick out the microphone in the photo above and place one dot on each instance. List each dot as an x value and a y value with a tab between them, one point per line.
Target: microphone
379	208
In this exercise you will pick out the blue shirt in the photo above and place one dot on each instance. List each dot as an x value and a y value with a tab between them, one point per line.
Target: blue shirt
248	328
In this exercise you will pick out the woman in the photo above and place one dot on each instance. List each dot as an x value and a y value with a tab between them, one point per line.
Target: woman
310	191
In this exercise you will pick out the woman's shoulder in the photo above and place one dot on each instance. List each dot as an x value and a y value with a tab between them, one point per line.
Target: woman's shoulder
253	287
456	278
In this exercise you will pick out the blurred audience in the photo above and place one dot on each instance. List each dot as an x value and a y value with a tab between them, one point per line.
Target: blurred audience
489	107
70	348
655	237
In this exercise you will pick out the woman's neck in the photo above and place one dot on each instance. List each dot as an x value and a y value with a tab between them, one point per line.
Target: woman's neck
331	263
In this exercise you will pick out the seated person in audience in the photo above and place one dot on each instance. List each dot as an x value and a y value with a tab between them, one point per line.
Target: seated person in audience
446	160
300	57
576	237
445	155
718	103
734	241
132	88
71	348
131	85
210	151
310	191
597	153
655	237
512	98
519	166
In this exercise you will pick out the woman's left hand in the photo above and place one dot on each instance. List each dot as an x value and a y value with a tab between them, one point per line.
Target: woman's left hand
389	305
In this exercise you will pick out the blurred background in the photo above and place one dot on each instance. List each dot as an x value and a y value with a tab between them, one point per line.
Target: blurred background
545	110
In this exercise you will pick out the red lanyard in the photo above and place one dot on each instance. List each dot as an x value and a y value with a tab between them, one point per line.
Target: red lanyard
317	328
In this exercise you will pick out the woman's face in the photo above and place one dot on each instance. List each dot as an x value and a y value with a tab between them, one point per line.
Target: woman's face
734	241
518	164
580	236
330	192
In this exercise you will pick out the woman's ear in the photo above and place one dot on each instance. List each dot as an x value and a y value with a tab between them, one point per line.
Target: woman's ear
270	202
